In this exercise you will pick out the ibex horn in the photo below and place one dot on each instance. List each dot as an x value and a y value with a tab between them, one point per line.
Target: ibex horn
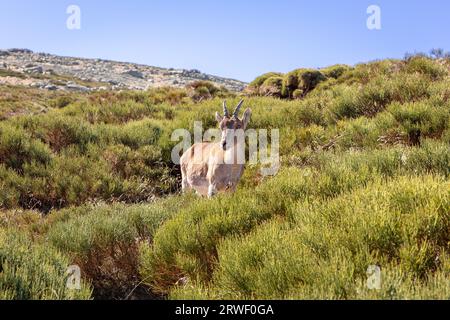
236	112
225	110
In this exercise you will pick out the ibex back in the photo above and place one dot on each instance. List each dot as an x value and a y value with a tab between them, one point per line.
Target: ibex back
209	168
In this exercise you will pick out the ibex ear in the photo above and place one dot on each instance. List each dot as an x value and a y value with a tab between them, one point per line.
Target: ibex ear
219	118
247	116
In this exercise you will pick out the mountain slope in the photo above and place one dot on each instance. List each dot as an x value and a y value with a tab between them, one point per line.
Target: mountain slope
55	72
364	182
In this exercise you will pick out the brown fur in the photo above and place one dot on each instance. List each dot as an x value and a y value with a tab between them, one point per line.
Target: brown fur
203	165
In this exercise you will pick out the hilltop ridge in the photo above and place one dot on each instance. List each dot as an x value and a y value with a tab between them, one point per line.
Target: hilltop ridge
53	72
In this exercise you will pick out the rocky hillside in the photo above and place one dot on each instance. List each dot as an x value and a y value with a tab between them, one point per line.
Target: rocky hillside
42	70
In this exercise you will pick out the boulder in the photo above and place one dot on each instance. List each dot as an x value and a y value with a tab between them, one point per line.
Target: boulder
134	73
76	87
34	70
50	87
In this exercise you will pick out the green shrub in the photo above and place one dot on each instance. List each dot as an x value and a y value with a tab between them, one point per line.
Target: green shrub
10	192
177	251
345	103
33	271
420	119
372	98
103	241
335	71
211	87
59	131
297	94
18	148
325	252
363	73
301	79
139	133
427	67
61	102
439	93
261	79
272	87
173	96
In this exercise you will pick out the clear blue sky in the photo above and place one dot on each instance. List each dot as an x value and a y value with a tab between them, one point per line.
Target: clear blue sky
237	39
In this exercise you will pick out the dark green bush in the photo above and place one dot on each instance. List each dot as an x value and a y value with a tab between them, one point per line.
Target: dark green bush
272	87
420	120
335	71
301	79
17	147
261	79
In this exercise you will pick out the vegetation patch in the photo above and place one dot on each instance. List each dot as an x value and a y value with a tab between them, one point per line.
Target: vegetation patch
88	179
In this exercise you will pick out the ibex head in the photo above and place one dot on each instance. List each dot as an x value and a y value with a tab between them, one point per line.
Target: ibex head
229	124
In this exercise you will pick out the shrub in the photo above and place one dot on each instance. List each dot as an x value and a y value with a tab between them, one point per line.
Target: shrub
272	87
59	131
205	90
103	241
363	73
325	252
335	71
33	271
301	79
261	79
420	119
426	66
439	93
345	104
178	251
138	134
173	96
297	94
18	148
10	192
374	97
68	180
61	102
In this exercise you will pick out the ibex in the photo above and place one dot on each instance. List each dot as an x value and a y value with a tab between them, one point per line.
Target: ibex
209	168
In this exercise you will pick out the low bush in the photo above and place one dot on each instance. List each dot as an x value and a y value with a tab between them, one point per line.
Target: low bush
426	66
303	80
327	249
31	271
17	148
272	87
335	71
420	120
103	241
